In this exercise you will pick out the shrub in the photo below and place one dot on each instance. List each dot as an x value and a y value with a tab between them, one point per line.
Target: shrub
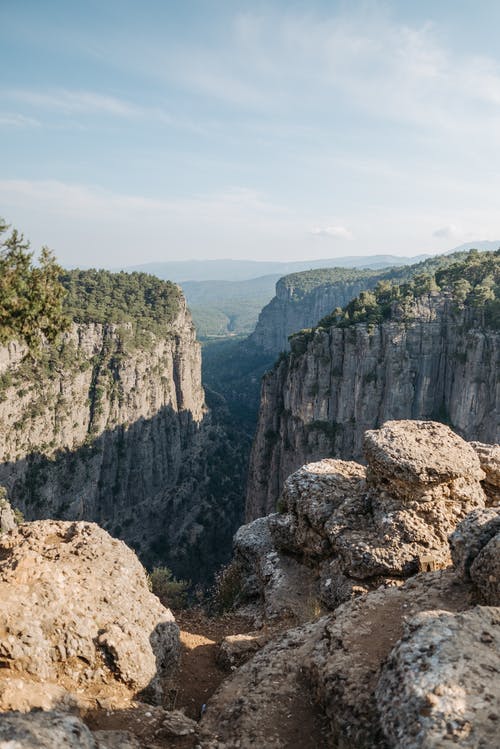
171	592
227	588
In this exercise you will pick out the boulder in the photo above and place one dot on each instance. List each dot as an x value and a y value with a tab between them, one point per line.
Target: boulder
410	457
489	457
440	685
347	530
45	731
470	536
78	622
235	650
280	586
310	497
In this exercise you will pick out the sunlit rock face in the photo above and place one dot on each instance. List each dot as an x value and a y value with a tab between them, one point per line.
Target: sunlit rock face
337	383
78	622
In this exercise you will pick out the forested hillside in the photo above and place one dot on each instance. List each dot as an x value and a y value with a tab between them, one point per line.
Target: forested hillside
302	299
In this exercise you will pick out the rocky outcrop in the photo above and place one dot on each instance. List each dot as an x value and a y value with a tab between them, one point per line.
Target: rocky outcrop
402	667
344	667
471	536
338	382
343	529
428	693
316	683
489	455
78	623
302	299
111	426
46	731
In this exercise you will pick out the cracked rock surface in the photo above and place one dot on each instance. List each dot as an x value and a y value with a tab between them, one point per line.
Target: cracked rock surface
348	529
441	684
77	621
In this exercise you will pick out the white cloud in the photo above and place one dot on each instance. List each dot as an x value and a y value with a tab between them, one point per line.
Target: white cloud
87	224
74	200
451	231
394	72
332	232
8	119
72	102
90	103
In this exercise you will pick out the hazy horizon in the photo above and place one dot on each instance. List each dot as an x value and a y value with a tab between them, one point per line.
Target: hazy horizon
249	130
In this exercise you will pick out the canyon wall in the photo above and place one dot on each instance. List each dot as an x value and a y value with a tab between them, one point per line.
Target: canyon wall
294	308
111	426
337	382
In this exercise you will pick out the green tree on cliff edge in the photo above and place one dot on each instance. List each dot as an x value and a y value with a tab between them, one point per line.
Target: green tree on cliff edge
31	295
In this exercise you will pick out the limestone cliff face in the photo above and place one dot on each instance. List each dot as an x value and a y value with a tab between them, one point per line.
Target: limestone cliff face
111	427
292	309
339	382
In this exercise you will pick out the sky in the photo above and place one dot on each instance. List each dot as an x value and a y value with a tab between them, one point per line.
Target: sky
135	132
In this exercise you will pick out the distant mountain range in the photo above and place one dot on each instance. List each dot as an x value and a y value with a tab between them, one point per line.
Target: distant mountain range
226	296
482	244
243	270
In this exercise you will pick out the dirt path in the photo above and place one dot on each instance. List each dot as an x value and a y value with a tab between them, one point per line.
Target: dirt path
193	683
199	675
290	713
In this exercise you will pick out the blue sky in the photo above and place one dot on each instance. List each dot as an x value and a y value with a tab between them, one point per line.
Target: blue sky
133	132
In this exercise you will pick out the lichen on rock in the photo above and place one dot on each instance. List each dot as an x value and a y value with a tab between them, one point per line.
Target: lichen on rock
77	620
353	528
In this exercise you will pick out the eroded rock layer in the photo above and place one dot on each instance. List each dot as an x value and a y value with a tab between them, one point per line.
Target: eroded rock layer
339	382
344	529
78	622
398	664
111	426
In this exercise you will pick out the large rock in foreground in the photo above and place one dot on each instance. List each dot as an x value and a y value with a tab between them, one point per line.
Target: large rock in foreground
354	528
438	686
45	731
77	621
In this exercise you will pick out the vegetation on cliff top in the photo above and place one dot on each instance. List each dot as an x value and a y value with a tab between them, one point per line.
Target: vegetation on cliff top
473	283
305	282
39	299
99	296
31	295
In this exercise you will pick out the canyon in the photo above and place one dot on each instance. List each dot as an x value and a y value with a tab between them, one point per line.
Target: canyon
111	425
370	593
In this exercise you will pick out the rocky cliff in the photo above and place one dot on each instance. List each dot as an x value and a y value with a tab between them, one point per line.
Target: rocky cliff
110	425
397	556
304	298
405	655
436	361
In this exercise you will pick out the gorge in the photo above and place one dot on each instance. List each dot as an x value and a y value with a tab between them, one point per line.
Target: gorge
373	533
110	424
